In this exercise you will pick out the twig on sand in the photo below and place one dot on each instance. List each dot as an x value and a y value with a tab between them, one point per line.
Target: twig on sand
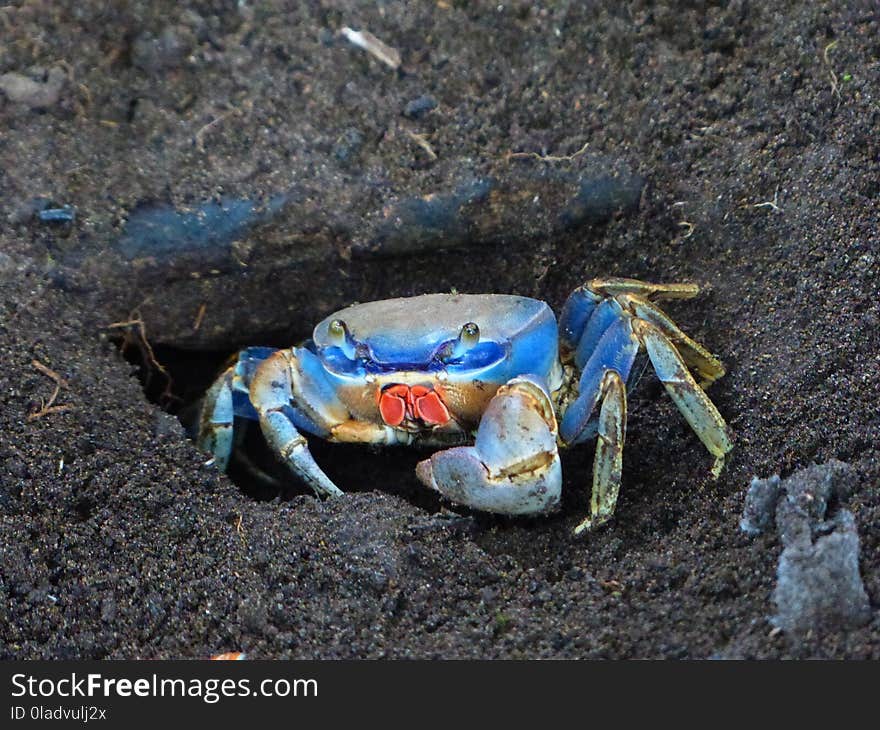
199	317
200	135
240	531
547	158
422	141
835	88
49	407
684	223
136	324
773	204
372	45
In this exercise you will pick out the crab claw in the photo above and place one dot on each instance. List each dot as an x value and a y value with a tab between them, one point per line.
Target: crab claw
513	467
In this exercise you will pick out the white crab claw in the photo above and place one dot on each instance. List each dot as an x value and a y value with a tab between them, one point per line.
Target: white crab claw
513	468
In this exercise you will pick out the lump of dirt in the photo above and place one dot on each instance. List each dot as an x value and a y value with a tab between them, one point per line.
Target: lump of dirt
818	582
36	94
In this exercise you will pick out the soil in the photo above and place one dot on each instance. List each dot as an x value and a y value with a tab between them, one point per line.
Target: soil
752	131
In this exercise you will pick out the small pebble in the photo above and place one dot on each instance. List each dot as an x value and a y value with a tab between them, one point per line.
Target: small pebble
24	90
420	106
64	214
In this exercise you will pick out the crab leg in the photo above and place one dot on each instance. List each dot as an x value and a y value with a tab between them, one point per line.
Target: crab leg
576	312
692	352
215	428
616	350
603	380
608	462
591	309
607	314
513	467
613	287
271	393
610	342
226	400
693	403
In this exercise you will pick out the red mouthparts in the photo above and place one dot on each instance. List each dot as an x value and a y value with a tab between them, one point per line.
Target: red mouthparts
418	402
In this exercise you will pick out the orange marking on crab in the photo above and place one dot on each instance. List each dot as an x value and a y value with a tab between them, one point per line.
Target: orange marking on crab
430	408
400	402
394	404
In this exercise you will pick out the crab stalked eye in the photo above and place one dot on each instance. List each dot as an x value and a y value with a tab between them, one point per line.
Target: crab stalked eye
339	336
468	338
336	331
469	335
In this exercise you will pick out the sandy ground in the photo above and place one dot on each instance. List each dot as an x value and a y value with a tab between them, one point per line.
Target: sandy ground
744	141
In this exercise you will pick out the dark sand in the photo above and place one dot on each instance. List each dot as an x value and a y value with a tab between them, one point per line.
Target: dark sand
117	542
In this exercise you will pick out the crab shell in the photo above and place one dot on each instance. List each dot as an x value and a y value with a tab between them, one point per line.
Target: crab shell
400	376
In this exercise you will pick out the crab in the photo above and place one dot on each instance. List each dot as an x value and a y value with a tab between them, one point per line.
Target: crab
492	380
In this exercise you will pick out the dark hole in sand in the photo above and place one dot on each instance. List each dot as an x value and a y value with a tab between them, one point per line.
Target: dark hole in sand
353	467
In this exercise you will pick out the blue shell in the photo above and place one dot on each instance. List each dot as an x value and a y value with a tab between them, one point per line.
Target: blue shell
518	335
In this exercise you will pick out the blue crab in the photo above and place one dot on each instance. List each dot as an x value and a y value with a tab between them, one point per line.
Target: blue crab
492	379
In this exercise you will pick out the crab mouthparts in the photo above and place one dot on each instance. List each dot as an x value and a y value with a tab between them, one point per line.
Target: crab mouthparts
399	403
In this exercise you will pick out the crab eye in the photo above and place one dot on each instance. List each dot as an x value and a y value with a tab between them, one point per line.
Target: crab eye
337	330
469	335
339	336
468	338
